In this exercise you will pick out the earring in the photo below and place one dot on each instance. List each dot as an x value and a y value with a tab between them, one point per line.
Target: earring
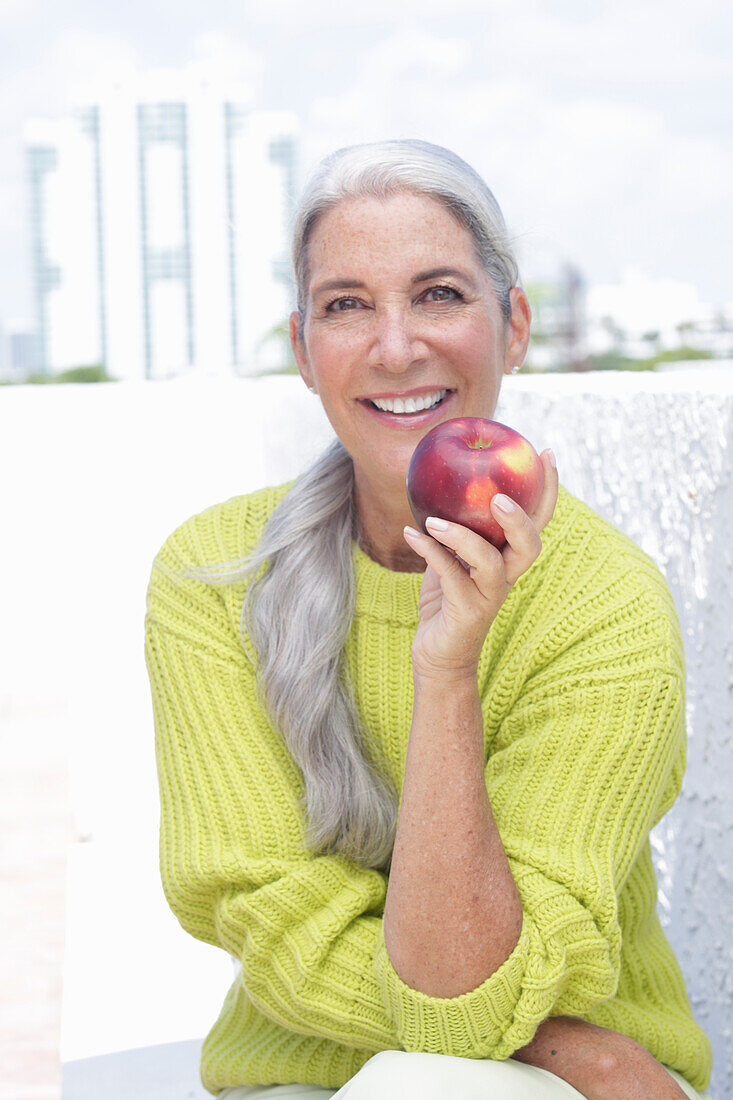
312	389
515	368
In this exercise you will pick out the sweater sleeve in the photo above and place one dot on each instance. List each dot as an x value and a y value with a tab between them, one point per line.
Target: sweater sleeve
234	867
584	765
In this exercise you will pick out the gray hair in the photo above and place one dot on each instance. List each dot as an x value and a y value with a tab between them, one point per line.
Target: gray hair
299	612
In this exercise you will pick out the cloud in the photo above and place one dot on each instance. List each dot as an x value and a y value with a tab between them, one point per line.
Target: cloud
295	17
612	43
12	11
589	177
227	58
54	83
399	84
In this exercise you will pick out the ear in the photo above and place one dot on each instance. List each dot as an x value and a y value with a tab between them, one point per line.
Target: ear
517	329
298	346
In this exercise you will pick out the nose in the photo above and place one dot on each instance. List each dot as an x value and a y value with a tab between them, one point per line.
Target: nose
396	339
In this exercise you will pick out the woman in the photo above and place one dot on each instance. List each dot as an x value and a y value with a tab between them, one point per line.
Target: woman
407	781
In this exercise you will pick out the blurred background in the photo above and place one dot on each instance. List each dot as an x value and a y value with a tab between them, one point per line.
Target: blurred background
151	154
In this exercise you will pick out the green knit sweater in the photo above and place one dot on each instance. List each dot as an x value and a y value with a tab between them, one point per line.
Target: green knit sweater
582	681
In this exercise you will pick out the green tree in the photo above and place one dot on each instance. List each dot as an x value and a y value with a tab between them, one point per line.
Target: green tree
94	373
653	339
617	334
280	333
684	329
542	299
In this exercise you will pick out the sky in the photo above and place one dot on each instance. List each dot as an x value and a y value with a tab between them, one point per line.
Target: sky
603	129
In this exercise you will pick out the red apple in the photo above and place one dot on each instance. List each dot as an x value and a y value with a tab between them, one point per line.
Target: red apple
462	463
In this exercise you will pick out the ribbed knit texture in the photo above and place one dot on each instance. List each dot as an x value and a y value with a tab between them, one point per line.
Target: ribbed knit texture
582	681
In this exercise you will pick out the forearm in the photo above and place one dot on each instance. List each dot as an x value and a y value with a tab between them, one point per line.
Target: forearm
599	1063
452	913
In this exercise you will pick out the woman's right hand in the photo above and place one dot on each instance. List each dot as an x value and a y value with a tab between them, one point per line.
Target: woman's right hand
601	1064
467	580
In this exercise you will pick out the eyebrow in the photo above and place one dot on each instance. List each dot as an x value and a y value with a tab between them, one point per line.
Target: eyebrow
434	273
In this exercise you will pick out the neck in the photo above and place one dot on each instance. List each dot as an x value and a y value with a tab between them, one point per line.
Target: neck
380	518
407	562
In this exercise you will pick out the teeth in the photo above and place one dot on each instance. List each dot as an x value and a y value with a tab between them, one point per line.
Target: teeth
397	405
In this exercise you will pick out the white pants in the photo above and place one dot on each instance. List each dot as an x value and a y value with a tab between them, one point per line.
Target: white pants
398	1075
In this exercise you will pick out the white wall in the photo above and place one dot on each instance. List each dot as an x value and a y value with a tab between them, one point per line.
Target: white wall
103	473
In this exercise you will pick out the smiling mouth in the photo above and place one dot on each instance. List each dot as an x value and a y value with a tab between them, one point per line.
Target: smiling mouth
408	412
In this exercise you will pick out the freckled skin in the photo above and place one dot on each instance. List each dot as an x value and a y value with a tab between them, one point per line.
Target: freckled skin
390	335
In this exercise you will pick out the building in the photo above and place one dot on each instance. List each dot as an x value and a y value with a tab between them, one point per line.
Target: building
159	224
17	349
642	315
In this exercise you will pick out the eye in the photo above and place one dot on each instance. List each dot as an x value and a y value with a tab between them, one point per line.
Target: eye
335	301
446	289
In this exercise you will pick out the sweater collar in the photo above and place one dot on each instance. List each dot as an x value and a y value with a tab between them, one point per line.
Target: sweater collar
385	594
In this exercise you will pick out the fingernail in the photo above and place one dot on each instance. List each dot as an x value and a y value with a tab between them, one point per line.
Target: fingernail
503	503
551	457
412	533
436	524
